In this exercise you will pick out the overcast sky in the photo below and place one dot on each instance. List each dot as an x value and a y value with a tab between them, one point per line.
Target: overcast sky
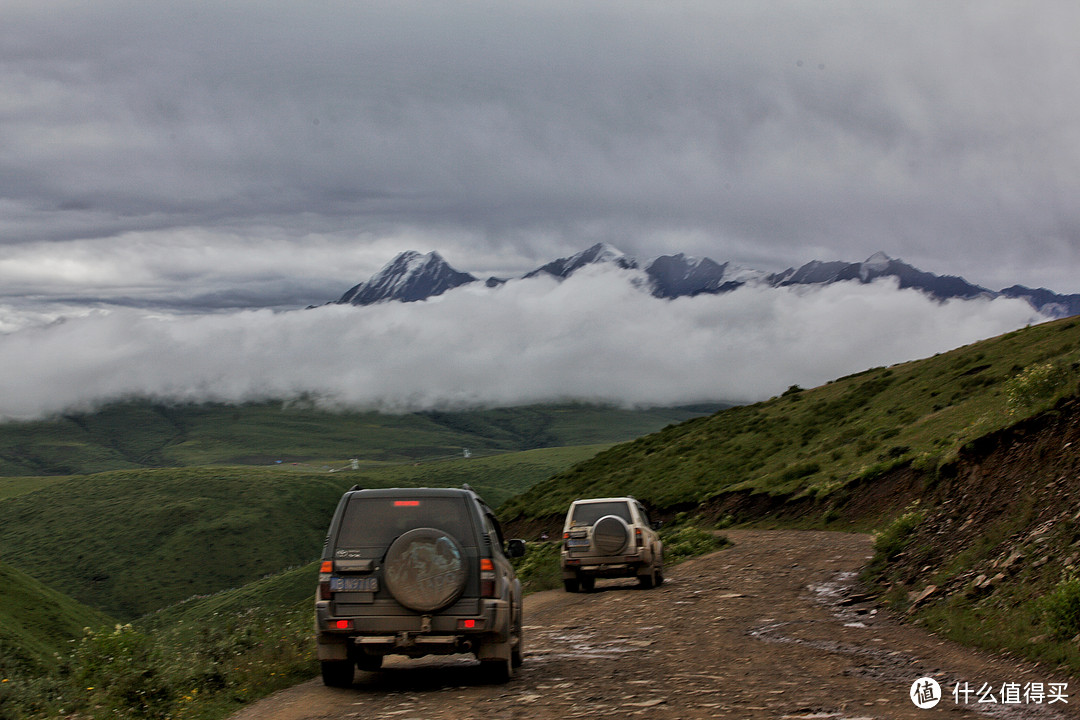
217	156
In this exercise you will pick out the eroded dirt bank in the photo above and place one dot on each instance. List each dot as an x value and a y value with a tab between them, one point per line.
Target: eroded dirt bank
771	627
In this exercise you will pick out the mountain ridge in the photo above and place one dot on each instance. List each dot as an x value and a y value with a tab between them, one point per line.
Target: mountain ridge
412	276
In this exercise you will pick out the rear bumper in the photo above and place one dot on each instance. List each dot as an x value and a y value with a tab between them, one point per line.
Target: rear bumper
412	634
576	565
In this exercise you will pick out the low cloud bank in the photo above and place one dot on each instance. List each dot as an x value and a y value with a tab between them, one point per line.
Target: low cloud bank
593	337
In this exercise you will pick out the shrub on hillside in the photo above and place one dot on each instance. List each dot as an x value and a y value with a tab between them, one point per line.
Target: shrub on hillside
1061	608
687	541
189	670
891	541
1036	384
117	669
539	568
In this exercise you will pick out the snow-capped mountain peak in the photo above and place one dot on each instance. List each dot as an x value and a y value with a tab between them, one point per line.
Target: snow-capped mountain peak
599	253
409	277
415	276
678	275
874	265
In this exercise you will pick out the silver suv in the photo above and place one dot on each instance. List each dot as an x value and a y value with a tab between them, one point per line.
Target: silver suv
415	572
610	537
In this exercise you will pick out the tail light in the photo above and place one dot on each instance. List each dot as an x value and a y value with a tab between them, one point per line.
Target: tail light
487	578
637	535
325	570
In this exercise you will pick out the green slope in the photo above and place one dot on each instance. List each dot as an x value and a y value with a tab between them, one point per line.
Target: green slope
496	478
133	541
36	622
816	442
145	434
284	590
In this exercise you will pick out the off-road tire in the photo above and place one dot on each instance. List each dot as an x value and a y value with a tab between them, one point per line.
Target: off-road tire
425	569
571	586
338	673
588	584
497	672
517	649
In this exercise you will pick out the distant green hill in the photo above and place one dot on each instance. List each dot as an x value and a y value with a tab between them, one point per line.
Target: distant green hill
145	434
36	622
284	590
128	542
133	541
819	442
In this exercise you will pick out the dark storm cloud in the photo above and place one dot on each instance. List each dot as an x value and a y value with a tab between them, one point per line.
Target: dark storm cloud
765	133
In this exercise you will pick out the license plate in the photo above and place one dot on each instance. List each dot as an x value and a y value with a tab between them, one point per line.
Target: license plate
577	542
354	584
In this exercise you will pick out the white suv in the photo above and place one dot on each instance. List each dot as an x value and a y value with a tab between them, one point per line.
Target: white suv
610	537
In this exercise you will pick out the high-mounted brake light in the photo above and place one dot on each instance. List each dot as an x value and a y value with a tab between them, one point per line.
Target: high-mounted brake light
406	503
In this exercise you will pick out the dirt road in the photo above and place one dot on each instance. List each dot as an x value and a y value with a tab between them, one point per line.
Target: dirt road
771	627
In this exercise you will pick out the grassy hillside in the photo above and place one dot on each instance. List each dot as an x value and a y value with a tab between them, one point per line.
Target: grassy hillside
199	659
819	442
496	478
133	541
994	542
145	434
128	542
36	622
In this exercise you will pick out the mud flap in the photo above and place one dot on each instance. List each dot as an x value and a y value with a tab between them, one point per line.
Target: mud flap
330	648
494	651
500	622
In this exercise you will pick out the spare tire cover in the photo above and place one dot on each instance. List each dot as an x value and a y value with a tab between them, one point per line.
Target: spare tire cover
425	569
610	535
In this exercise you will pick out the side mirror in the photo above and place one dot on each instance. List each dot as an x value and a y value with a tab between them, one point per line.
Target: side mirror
515	548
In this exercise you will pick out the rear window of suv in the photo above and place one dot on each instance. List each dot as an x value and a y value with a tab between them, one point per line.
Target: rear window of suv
589	513
376	521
